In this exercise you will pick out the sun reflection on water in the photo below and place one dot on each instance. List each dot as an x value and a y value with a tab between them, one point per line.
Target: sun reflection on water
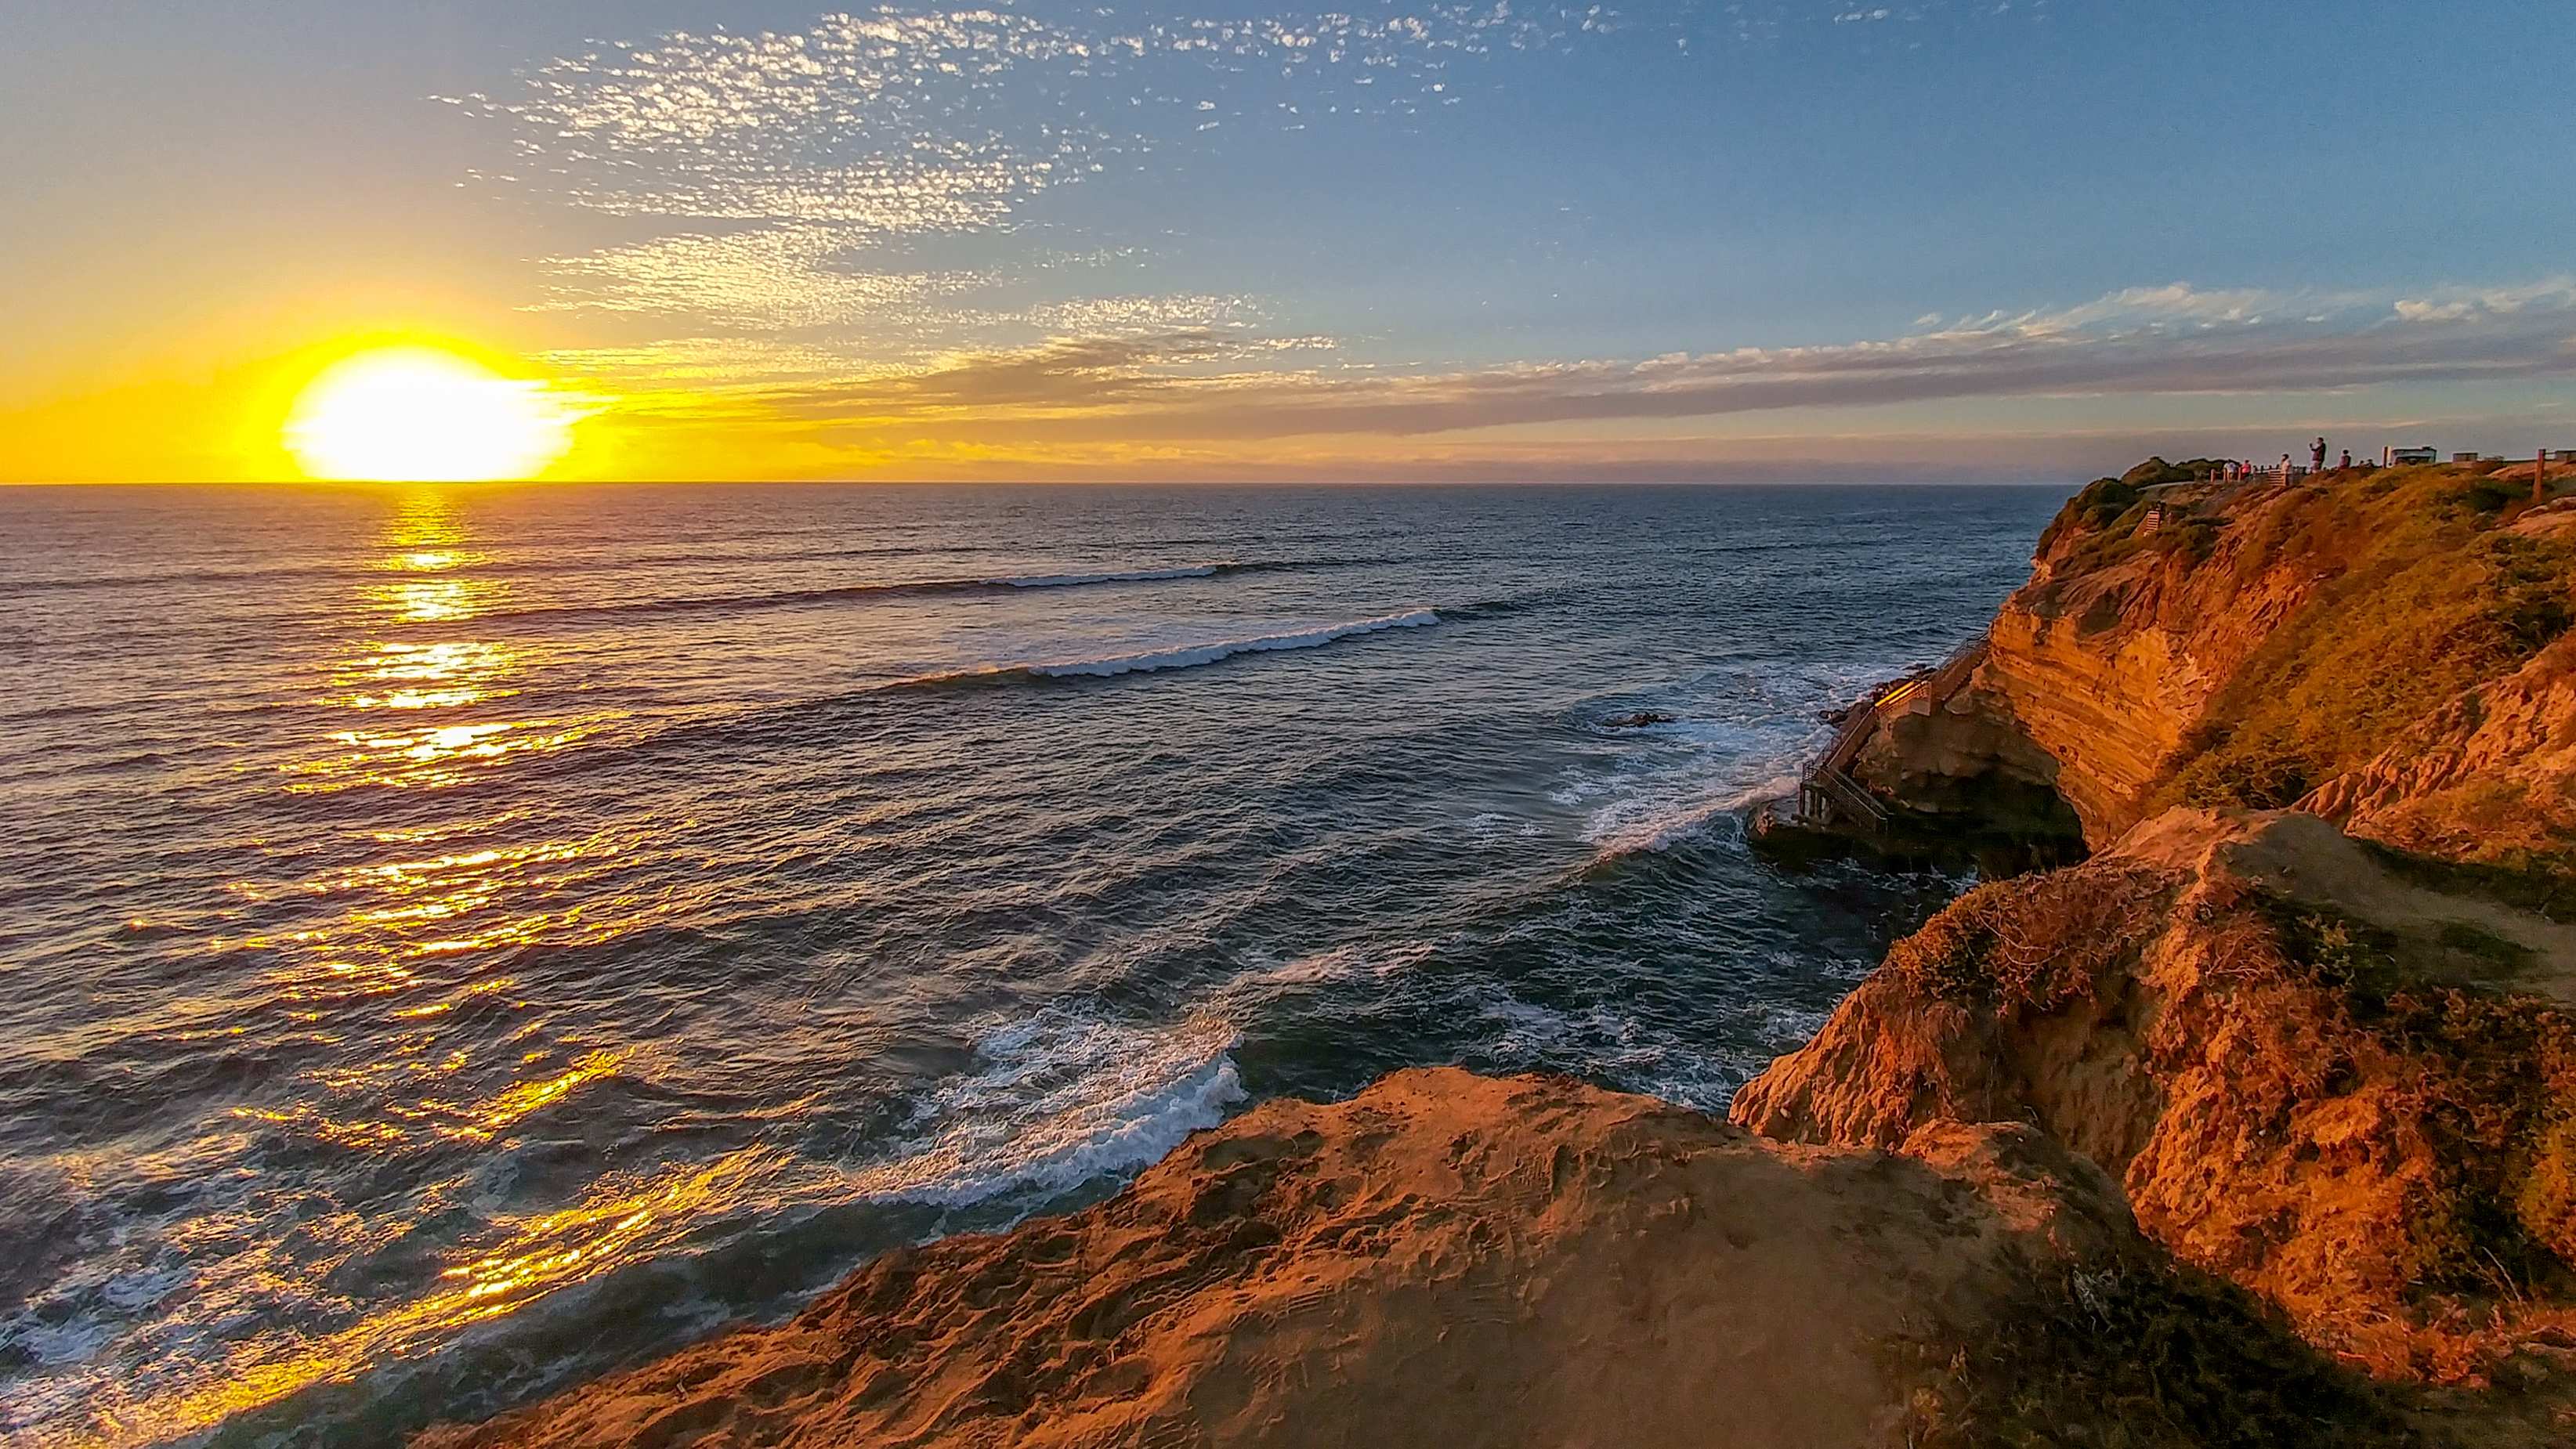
395	960
428	535
620	1223
445	675
427	545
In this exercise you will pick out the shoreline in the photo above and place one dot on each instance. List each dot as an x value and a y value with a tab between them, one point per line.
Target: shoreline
2251	1116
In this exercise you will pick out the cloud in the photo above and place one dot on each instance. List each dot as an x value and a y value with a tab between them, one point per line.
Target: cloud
2169	340
779	277
2459	304
905	121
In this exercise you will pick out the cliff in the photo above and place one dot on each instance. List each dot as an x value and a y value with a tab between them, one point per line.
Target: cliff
1460	1261
2350	1093
2383	648
2328	1050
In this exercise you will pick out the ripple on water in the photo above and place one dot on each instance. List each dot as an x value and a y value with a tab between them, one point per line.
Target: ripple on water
462	939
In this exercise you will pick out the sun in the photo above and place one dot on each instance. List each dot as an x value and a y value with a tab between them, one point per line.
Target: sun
421	414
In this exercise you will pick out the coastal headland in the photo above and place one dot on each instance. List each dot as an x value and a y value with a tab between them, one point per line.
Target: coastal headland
2254	1125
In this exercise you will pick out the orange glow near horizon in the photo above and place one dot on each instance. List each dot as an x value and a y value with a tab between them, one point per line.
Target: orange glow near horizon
423	414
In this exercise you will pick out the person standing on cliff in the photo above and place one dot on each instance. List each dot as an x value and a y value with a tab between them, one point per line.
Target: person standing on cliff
2285	467
2317	457
2347	460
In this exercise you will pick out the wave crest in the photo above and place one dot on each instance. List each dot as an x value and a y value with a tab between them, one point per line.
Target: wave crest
1183	656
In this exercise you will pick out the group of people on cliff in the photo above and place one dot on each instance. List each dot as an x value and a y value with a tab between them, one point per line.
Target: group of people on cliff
2238	469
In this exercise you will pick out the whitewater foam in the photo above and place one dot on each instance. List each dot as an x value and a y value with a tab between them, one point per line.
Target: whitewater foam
1060	1099
1636	827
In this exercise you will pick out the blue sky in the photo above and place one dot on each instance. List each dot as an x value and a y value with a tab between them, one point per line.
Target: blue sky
1228	238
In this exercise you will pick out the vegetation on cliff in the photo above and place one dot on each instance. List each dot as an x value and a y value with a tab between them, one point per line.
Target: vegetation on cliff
2426	595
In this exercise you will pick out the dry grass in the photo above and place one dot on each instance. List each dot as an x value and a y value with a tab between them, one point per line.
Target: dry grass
2426	598
2473	1157
2034	942
2146	1356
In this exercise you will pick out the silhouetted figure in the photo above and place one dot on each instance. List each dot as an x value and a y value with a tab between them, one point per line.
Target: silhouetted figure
2347	459
2317	457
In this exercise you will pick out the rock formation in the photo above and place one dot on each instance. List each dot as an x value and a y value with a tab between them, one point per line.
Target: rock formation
2377	647
1460	1261
2350	1094
2337	1069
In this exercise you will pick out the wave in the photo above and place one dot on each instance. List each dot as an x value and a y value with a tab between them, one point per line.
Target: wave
1121	576
1185	656
1624	835
1061	1099
376	567
830	593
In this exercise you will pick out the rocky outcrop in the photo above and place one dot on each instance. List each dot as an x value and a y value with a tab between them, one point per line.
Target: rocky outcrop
2350	1094
1462	1261
2375	647
2487	777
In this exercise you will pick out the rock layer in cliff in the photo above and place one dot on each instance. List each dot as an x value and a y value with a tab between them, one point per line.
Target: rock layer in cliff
2381	647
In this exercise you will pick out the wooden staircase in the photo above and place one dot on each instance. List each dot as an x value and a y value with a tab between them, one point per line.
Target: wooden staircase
1828	796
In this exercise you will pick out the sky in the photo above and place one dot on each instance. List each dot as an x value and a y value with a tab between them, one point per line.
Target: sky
1240	240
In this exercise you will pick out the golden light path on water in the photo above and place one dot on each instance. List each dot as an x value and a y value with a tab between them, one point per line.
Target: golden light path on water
412	940
619	1224
423	543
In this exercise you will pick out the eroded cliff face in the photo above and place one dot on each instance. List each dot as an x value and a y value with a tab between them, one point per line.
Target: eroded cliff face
2375	647
2349	1093
1462	1261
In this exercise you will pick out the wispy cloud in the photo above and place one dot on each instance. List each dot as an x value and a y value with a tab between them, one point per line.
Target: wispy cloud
903	121
2162	340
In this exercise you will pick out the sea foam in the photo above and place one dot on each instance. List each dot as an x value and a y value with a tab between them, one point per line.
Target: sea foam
1057	1100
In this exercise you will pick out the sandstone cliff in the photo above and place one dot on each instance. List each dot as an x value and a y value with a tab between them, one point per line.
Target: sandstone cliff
2351	1094
2337	1069
2376	645
1458	1261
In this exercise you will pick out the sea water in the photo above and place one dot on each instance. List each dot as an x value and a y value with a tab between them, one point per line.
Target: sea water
453	940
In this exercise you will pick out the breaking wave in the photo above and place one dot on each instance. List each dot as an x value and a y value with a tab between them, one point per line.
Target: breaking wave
1056	1101
1183	656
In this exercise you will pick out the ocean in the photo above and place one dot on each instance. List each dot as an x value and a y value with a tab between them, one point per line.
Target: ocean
456	939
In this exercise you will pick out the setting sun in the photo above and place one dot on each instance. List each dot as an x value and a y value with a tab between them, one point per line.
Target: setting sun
418	414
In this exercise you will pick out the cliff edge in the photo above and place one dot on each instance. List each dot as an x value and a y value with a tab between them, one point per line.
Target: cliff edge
2313	998
1462	1261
